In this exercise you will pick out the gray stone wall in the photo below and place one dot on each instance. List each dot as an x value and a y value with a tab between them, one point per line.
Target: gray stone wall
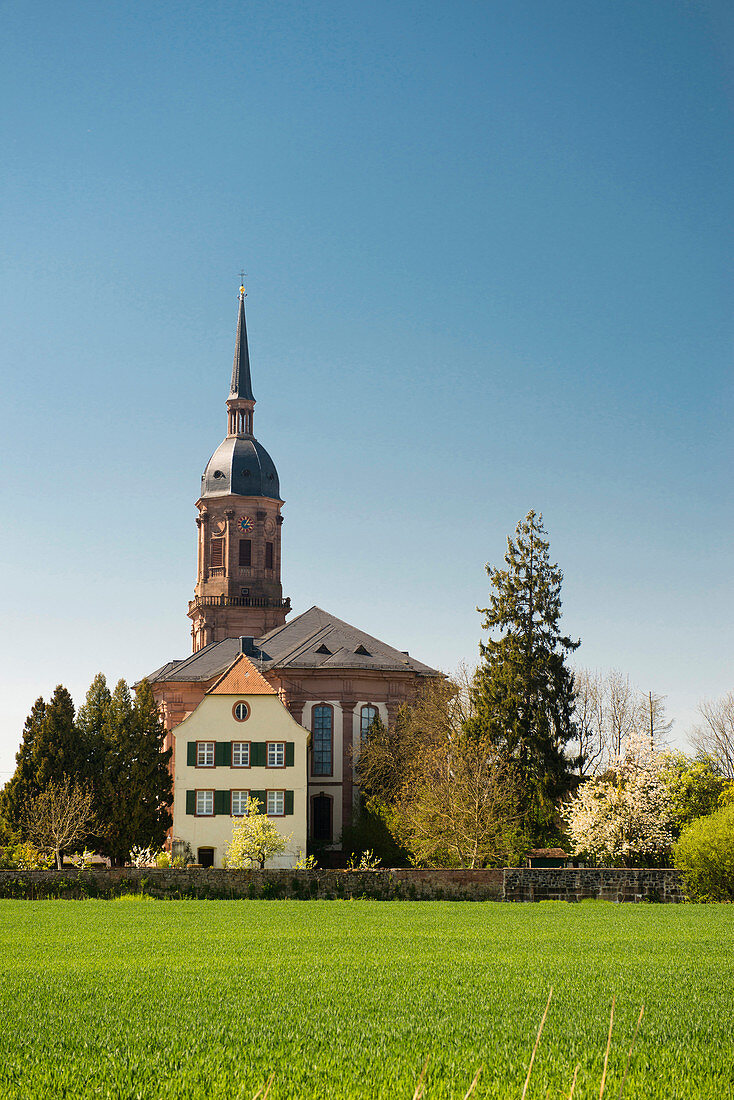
501	884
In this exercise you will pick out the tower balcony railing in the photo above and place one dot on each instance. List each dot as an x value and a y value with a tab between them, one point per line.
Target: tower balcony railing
240	601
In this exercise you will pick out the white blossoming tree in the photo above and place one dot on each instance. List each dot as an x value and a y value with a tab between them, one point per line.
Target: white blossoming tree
624	816
255	839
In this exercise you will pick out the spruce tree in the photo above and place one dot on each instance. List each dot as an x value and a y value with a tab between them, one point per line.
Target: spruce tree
137	784
523	690
21	786
91	723
150	775
56	750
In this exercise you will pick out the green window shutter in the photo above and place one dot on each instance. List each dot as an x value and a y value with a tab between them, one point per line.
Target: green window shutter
191	800
222	754
288	800
221	802
191	756
258	757
290	755
262	798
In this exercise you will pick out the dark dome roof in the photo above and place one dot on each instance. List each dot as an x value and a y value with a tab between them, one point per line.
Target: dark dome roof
242	466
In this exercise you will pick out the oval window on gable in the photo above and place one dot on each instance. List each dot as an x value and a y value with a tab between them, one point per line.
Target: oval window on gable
240	711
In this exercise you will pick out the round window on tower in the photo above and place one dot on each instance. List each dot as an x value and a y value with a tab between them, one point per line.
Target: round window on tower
240	711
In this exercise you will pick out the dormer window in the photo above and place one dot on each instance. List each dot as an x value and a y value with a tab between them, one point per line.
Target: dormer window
323	649
362	651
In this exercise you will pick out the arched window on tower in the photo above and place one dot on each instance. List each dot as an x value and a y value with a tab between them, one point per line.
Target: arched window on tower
322	727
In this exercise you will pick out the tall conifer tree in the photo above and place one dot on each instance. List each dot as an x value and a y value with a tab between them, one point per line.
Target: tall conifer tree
523	690
56	750
21	786
137	783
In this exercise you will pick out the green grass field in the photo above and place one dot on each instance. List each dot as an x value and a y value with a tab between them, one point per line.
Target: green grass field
136	998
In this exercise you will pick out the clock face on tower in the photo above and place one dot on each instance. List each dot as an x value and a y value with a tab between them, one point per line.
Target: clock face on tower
244	523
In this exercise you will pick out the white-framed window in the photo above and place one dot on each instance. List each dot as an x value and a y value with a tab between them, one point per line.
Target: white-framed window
240	754
204	803
276	803
276	754
239	803
367	717
205	754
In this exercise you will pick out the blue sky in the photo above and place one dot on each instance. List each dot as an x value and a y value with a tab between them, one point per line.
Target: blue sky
488	249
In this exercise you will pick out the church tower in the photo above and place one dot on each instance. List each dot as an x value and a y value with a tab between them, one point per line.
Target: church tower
238	590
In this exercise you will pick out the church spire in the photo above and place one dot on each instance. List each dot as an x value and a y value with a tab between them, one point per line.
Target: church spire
241	400
241	384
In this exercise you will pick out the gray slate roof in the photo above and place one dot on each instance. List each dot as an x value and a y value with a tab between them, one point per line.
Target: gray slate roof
242	466
313	640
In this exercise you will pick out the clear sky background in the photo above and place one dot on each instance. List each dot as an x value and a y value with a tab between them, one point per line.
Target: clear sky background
488	249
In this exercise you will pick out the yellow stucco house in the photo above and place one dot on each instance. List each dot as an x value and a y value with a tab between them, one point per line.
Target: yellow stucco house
240	742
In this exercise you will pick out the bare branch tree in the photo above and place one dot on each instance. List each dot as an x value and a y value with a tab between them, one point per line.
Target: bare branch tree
654	723
622	711
590	719
609	711
60	817
714	737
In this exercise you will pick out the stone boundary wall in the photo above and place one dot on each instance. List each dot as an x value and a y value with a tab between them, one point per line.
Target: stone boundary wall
500	884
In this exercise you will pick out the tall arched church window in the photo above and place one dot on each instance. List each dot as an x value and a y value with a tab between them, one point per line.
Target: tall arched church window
367	717
322	727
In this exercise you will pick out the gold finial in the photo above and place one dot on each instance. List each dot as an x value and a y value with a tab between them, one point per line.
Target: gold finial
243	292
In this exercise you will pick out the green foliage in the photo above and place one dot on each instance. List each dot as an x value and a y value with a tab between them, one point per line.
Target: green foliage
136	788
371	830
128	999
24	857
49	750
726	798
367	861
115	745
523	692
694	787
705	855
447	797
305	863
8	834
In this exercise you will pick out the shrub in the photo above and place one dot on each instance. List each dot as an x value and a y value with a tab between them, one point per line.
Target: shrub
25	857
705	855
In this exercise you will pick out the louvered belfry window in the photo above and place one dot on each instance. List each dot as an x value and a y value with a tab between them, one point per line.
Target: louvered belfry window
217	555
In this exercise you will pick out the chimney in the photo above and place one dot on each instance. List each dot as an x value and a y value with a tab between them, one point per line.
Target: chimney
247	646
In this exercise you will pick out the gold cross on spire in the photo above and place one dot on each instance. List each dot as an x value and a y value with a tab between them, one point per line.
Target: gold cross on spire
243	292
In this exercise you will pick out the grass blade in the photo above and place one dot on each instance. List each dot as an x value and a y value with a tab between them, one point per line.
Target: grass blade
420	1088
573	1083
606	1054
473	1085
537	1040
629	1052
